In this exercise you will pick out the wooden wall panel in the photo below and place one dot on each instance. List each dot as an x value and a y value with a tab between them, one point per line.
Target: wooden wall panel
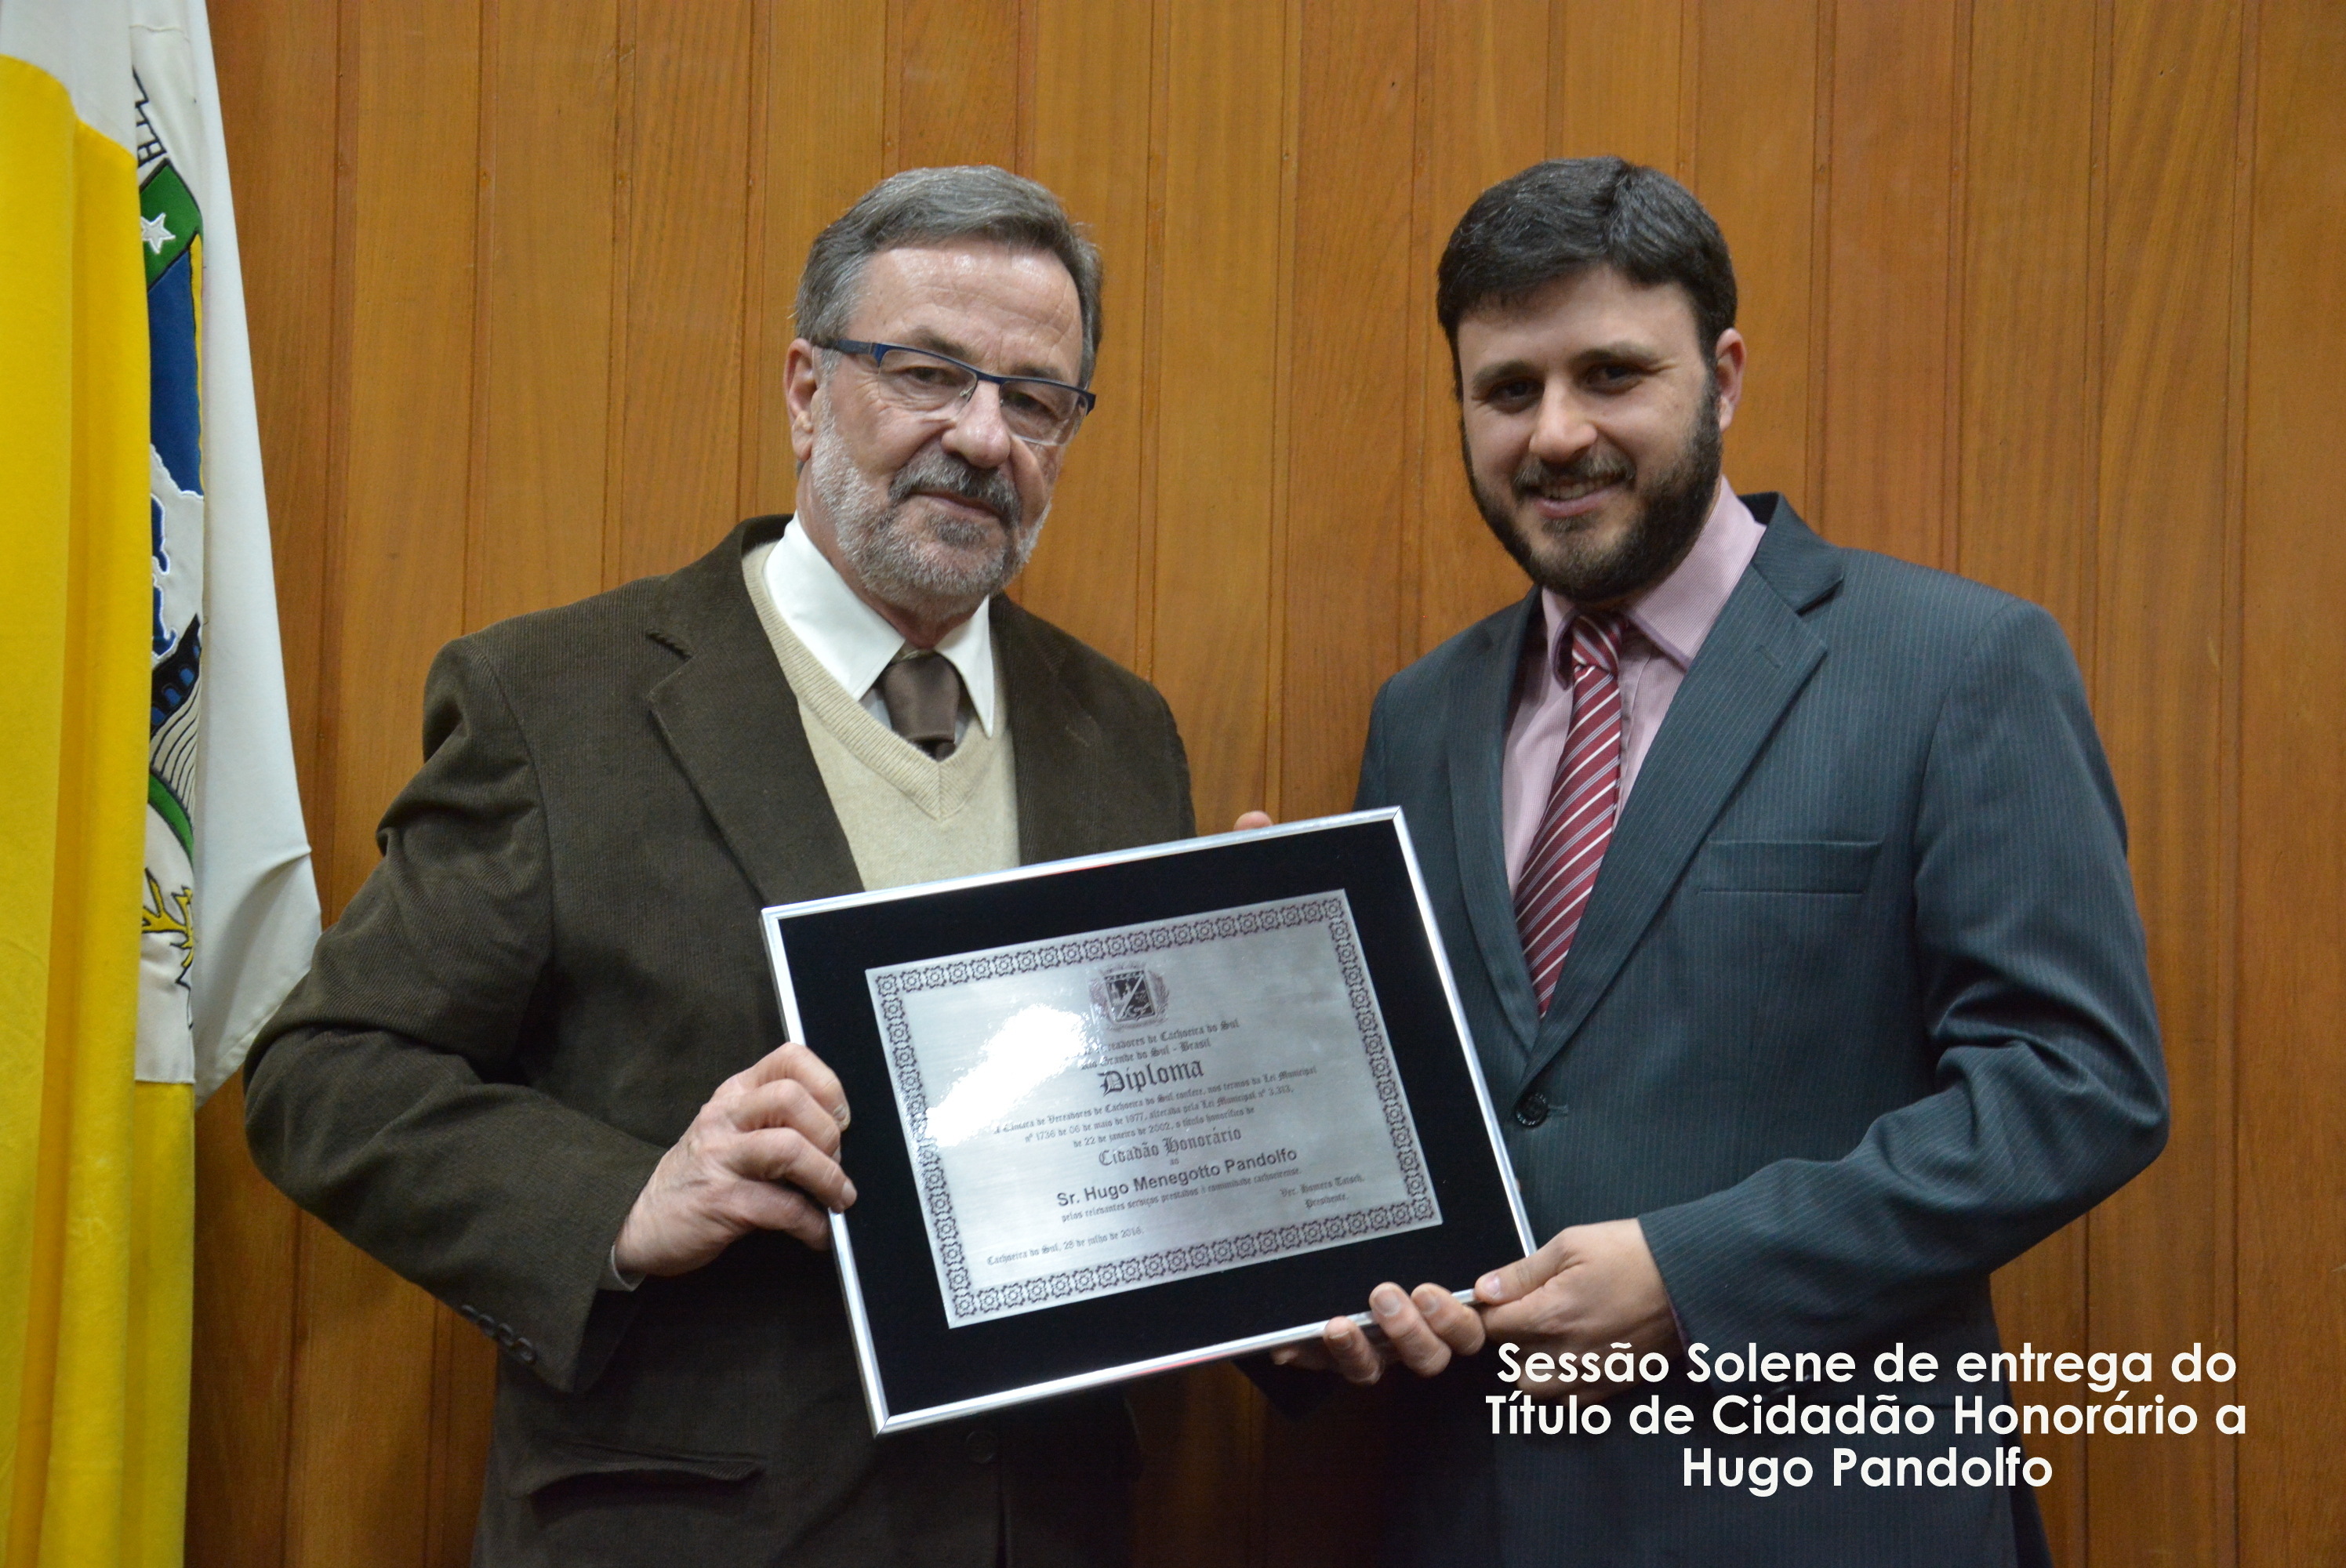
1485	68
2025	464
543	332
2166	678
280	71
1217	469
1894	113
1348	478
2042	292
247	1281
957	86
406	213
683	128
1755	166
2292	991
1092	92
825	126
1614	80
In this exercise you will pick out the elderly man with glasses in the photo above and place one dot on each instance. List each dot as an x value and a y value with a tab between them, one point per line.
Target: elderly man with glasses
538	1067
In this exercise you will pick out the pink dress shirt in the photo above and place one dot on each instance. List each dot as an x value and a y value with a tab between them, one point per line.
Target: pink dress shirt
1666	625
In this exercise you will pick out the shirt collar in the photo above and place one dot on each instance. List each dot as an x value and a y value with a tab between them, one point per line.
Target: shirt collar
1677	613
854	641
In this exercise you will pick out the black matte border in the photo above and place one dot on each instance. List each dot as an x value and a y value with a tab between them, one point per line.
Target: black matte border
924	1362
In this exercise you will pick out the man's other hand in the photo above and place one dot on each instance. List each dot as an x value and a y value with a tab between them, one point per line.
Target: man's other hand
1422	1330
761	1155
1250	820
1591	1288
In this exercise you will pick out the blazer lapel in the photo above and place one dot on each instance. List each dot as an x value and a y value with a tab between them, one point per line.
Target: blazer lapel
1752	664
732	724
1480	691
1055	745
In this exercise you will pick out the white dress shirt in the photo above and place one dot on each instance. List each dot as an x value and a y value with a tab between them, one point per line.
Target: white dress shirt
855	643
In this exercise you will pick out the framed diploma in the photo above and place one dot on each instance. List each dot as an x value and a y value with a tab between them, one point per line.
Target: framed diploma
1123	1113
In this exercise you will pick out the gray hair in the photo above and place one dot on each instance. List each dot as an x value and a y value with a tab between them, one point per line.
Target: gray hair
933	207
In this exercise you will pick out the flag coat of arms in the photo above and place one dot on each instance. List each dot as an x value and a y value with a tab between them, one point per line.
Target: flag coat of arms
221	949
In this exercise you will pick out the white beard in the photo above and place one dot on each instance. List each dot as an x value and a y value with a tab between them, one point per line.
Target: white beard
930	571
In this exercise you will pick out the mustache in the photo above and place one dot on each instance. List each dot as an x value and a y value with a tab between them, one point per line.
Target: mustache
1595	466
942	472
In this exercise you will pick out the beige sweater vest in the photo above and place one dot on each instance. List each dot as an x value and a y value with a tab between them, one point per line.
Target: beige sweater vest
908	816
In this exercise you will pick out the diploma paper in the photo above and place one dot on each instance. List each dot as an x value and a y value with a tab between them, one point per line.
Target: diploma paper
1102	1112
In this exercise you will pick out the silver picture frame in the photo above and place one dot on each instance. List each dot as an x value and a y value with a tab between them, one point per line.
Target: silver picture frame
889	1418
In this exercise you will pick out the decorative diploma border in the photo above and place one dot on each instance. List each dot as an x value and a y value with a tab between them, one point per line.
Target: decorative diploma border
1172	1262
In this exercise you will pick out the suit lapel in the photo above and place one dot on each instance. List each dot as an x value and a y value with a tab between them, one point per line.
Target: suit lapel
1055	745
1752	664
732	724
1480	692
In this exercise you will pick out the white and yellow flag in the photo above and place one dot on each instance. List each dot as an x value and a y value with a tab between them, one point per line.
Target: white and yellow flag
156	899
231	910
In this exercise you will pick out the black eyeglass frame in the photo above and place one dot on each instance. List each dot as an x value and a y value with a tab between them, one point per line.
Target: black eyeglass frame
1085	399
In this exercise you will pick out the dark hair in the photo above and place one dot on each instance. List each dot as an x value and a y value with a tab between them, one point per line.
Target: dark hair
935	206
1569	214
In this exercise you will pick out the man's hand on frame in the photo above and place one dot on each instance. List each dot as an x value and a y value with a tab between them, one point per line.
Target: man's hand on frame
761	1155
1421	1330
1591	1288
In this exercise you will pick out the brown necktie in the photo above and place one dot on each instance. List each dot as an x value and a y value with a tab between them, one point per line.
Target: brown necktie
924	696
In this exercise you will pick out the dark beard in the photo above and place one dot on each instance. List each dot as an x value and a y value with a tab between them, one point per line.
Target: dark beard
1671	514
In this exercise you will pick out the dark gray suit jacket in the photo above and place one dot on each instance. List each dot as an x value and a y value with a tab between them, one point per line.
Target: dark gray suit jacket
1857	1011
556	960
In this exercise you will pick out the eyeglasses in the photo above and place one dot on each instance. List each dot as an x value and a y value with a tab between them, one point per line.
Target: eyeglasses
1038	411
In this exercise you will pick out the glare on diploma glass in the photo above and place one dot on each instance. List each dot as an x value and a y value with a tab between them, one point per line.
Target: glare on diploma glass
1036	1043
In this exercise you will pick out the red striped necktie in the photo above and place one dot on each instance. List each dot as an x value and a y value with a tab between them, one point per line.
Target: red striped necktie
1554	889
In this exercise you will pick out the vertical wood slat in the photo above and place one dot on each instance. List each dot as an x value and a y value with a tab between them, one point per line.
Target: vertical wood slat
1348	479
239	1438
2166	693
1088	140
822	150
957	80
1614	83
542	346
1217	465
278	112
2026	471
2293	1100
1487	66
278	78
1348	482
544	310
687	162
1893	140
1753	167
406	224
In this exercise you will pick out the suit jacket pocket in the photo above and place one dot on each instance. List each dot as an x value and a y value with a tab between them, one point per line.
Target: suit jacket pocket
551	1460
1785	865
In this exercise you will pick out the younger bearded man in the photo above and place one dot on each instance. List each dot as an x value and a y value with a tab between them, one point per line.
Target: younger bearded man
1785	888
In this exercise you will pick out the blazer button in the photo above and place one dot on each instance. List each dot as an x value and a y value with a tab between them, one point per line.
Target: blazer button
1531	1110
526	1351
981	1446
